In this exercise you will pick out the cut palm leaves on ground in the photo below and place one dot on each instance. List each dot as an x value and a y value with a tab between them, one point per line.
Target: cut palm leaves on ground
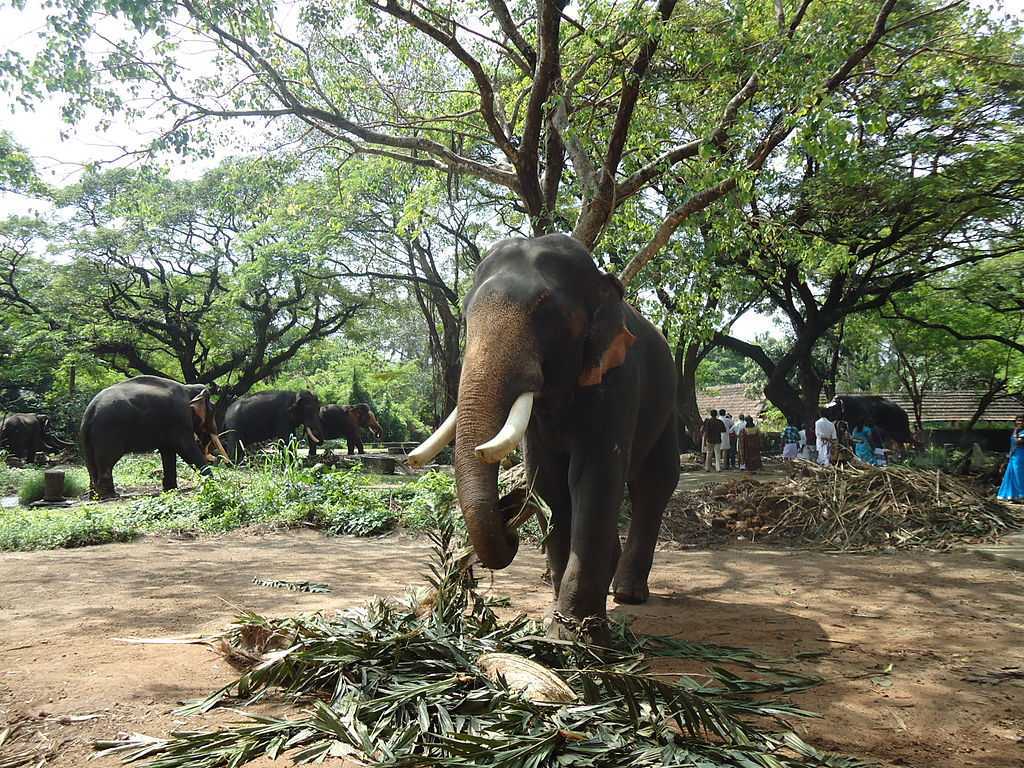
294	586
851	507
389	685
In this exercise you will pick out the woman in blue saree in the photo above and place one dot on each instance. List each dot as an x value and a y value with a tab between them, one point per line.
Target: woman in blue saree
1012	488
862	443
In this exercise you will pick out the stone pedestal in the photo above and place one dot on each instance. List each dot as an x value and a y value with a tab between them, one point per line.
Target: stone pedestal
53	485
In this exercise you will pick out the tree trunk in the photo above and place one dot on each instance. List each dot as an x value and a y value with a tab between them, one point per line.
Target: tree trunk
810	389
688	357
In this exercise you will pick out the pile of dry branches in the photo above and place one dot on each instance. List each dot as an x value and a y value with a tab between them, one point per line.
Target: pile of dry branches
852	507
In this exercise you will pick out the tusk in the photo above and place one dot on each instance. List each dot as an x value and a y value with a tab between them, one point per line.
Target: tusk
433	445
508	437
312	437
215	439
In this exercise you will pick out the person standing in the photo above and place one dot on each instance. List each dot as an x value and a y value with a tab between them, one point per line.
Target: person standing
750	445
790	442
711	432
862	436
737	430
726	435
825	436
1012	488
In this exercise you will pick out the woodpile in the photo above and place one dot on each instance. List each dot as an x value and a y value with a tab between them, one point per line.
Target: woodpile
852	507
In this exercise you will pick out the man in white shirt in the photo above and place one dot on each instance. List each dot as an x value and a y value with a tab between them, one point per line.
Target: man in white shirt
825	432
724	418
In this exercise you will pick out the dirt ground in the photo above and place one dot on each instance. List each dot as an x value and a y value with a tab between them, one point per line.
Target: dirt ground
940	621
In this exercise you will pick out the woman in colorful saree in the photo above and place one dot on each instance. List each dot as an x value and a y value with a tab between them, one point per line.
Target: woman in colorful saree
862	443
1012	488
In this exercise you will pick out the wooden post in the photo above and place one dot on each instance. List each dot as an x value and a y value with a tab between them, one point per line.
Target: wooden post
53	485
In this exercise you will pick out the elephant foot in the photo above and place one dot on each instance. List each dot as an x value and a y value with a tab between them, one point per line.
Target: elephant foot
628	593
590	629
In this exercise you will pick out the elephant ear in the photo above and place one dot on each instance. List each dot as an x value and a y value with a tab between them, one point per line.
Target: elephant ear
201	412
608	339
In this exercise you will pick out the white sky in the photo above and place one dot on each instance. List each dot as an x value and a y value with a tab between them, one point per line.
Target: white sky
60	151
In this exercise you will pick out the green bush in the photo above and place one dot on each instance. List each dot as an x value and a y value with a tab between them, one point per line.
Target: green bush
432	494
76	482
278	492
54	528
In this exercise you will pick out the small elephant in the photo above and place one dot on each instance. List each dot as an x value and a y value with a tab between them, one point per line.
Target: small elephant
347	421
555	354
144	414
272	415
23	434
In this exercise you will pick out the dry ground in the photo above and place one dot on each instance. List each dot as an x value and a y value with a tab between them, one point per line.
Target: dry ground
937	619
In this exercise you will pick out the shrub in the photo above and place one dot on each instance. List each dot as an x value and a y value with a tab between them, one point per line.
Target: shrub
432	494
52	528
348	506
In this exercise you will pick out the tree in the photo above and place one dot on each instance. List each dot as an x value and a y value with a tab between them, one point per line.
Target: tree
202	281
567	115
897	183
416	238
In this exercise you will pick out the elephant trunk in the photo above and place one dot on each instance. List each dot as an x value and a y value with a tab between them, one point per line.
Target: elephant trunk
480	416
497	374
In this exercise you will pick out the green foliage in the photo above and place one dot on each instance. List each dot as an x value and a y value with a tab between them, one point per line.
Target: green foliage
55	528
76	483
433	495
11	478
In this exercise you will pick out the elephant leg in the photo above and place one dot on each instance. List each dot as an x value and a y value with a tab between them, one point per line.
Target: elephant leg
169	458
650	488
551	484
351	445
102	477
359	446
312	447
596	490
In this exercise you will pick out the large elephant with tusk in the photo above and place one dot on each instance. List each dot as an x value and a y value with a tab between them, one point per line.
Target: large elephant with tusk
272	415
148	413
555	355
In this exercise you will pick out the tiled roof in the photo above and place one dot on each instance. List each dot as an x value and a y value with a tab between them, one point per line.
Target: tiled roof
735	398
939	406
955	405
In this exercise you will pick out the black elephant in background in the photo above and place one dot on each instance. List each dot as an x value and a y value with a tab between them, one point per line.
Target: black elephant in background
891	421
347	421
24	434
148	413
272	415
553	352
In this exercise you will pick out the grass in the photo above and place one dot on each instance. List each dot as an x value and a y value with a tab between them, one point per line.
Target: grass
277	493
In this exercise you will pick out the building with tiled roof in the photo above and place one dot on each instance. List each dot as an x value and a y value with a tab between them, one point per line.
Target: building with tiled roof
735	398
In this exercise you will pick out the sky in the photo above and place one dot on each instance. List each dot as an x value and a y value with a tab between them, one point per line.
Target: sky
61	151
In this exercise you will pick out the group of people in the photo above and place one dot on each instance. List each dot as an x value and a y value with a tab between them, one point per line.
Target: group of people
819	443
735	439
722	437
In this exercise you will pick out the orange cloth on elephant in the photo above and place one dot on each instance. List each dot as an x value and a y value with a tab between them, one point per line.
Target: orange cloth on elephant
750	449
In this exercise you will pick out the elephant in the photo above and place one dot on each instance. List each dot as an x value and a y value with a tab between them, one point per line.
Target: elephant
148	413
346	421
554	353
24	434
872	410
272	415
